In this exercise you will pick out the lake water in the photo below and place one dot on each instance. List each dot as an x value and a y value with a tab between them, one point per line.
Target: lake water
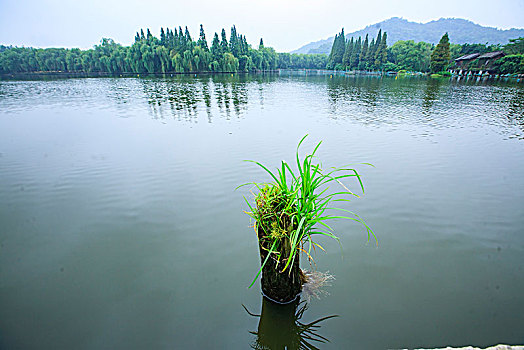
120	226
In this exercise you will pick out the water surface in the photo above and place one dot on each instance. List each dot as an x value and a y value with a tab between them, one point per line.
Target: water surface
120	226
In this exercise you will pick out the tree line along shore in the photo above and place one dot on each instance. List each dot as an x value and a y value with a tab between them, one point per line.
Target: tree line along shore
357	54
175	51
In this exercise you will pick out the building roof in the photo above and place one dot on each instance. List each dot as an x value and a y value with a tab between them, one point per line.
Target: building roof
492	54
470	56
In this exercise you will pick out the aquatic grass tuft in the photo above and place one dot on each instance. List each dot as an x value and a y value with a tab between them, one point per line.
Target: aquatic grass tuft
295	208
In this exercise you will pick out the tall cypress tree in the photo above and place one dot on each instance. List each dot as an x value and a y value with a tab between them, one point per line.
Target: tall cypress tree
370	56
440	55
331	62
162	36
355	54
379	40
346	60
233	42
340	48
189	41
169	39
216	48
382	52
261	44
376	48
176	40
223	43
337	50
363	55
181	42
202	42
244	48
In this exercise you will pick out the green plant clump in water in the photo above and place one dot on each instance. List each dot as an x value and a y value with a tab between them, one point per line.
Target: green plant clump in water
294	208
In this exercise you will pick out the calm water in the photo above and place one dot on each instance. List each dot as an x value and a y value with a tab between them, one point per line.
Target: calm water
120	227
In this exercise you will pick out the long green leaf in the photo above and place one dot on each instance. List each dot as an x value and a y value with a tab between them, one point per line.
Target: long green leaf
264	264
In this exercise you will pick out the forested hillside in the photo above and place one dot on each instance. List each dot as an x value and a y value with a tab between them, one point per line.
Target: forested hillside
460	31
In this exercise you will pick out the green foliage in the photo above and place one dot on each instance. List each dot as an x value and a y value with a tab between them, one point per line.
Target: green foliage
301	61
362	64
411	56
467	49
346	59
202	42
370	56
515	47
337	51
455	51
294	209
174	52
352	54
441	55
355	54
224	46
381	54
510	64
391	67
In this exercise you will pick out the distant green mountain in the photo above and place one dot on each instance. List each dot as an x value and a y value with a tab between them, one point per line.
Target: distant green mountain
460	31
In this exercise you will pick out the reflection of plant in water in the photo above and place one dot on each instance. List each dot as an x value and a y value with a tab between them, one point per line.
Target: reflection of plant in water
239	94
181	97
280	327
515	113
364	89
431	94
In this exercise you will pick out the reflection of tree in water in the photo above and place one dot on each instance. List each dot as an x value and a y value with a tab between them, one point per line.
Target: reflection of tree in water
184	97
180	97
362	90
280	327
222	99
516	110
206	94
431	95
263	80
239	96
232	91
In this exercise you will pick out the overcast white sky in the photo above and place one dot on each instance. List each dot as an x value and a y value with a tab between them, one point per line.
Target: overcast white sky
284	24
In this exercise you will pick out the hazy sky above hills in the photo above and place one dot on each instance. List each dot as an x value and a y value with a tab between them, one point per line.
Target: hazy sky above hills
284	24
